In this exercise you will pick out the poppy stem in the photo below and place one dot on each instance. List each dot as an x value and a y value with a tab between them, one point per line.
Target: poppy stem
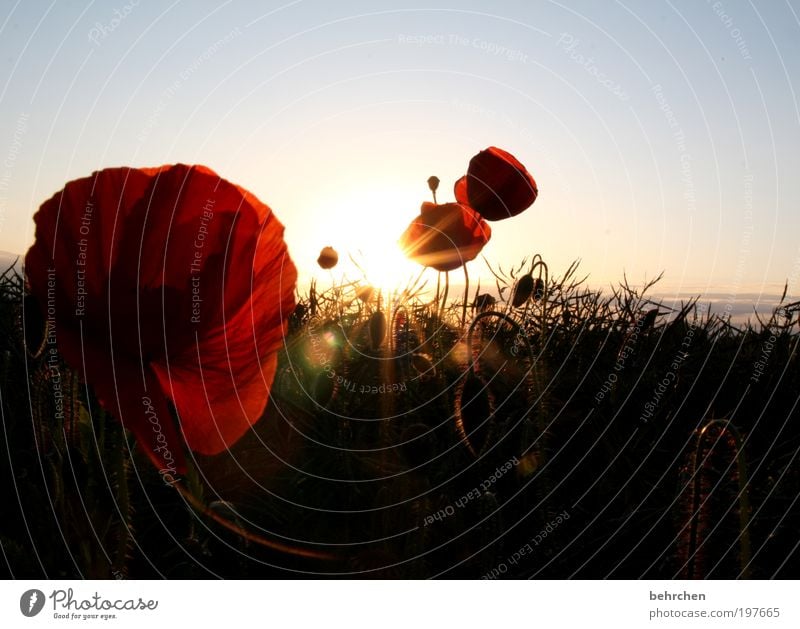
201	508
486	314
446	290
434	197
438	286
466	294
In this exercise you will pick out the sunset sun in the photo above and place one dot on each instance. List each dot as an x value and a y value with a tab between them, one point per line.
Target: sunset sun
364	227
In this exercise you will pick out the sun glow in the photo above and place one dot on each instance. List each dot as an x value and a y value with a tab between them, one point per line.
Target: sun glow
364	227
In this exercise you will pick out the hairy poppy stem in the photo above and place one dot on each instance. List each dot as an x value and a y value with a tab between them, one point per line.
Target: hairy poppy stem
192	500
701	496
466	294
486	314
542	265
433	185
446	291
438	286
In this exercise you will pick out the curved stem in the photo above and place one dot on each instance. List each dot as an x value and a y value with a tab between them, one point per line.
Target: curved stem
250	537
541	264
500	315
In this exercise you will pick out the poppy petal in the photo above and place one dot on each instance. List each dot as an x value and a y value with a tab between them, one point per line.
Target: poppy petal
187	281
233	364
460	190
215	407
445	236
498	185
75	231
131	393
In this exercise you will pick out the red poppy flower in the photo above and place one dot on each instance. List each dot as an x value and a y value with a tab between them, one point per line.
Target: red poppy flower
445	236
166	284
497	185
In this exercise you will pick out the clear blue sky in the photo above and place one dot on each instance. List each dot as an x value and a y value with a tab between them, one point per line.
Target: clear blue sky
663	135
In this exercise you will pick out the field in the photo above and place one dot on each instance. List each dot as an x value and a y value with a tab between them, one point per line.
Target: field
412	435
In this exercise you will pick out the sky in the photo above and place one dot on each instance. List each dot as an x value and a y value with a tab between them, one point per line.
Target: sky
663	135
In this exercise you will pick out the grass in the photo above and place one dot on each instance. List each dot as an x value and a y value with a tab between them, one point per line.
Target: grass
575	435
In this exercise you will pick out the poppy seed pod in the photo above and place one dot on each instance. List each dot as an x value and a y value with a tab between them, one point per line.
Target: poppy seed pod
364	293
496	185
522	290
328	258
433	183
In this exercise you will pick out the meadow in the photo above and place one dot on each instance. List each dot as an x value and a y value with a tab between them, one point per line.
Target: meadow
553	431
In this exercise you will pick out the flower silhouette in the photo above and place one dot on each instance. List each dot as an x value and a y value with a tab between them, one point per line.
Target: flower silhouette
445	236
328	258
164	285
496	185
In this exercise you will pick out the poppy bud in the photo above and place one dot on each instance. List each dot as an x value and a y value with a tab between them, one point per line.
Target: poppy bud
377	329
484	302
649	319
364	293
328	258
523	290
401	332
433	183
324	389
312	298
298	318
